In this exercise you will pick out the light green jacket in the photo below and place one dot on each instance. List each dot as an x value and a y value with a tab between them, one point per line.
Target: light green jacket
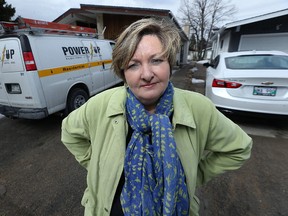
207	142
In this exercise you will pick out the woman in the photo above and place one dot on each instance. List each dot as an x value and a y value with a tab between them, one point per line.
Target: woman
147	145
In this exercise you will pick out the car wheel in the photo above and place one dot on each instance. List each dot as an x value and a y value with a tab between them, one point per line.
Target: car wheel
76	98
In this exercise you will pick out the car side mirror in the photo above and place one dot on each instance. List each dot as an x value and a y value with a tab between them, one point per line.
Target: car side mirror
207	64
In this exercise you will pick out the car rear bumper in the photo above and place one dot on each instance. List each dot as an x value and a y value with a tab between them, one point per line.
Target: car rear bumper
24	113
224	101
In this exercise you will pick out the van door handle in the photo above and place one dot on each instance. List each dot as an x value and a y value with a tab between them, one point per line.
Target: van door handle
103	65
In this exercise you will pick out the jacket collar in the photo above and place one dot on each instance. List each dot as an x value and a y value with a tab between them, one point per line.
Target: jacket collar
182	114
116	104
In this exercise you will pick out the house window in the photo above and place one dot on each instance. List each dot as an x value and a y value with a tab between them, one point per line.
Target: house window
85	24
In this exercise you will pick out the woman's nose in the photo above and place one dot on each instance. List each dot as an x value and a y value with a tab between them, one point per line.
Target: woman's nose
147	72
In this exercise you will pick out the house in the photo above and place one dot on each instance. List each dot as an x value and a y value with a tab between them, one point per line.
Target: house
110	21
264	32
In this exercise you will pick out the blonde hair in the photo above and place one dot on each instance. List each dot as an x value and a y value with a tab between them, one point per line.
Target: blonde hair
128	41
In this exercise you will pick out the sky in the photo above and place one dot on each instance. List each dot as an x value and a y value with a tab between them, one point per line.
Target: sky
52	9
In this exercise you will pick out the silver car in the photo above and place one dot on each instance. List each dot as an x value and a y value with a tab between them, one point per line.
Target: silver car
252	81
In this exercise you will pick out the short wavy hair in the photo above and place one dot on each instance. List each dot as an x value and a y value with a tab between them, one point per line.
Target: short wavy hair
129	39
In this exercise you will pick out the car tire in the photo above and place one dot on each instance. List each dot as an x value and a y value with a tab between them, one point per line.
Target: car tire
76	98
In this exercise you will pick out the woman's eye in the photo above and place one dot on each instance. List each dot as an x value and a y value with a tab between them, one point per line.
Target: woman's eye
132	66
157	61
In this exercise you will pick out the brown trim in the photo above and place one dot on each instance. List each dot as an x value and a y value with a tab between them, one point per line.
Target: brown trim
125	10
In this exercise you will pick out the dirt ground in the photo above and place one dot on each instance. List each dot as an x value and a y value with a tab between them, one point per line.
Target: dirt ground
39	177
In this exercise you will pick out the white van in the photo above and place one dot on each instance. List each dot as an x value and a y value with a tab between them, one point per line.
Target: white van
43	73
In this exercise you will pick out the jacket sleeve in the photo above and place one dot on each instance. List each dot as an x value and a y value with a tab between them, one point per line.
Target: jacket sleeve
75	135
227	147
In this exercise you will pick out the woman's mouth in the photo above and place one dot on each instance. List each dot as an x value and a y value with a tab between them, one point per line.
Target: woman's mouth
148	85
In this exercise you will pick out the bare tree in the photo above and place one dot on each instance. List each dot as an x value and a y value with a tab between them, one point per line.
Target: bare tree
203	16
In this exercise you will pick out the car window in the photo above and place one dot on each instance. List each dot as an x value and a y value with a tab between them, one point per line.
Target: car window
112	44
257	62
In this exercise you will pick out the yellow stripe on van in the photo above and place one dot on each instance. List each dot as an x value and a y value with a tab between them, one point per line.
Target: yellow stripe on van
94	64
70	68
107	61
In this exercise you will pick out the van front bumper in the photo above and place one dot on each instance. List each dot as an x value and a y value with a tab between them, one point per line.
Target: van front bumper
23	113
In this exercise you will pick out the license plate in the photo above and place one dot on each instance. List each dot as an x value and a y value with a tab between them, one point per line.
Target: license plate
264	91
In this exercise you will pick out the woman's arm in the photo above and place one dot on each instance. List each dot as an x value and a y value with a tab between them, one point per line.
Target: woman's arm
75	135
227	148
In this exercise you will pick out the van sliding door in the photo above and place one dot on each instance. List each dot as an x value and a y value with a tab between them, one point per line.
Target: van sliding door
105	50
95	66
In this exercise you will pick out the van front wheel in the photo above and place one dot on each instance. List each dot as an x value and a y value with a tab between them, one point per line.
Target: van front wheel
76	98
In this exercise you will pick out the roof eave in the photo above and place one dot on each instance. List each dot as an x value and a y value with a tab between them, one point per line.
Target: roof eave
257	18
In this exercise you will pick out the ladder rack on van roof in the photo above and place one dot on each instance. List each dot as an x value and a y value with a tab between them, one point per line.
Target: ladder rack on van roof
39	26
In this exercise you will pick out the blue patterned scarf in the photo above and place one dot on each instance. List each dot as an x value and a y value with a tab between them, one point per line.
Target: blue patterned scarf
154	177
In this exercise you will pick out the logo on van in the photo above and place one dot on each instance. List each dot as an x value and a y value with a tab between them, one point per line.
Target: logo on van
94	50
75	50
72	52
7	54
3	54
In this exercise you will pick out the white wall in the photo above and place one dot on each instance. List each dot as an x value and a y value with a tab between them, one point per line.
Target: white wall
277	41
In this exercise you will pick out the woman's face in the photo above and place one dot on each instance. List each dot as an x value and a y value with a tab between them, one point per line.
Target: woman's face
148	73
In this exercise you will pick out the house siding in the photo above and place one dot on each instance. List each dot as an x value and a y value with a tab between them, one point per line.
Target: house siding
269	28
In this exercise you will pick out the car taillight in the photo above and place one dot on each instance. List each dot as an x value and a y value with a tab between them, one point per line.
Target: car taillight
29	61
225	84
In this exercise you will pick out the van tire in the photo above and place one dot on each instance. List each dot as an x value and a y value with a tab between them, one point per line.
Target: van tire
76	98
